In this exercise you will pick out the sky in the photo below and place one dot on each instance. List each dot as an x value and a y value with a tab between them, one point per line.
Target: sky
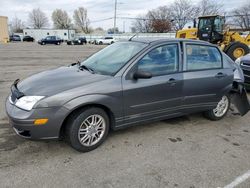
97	9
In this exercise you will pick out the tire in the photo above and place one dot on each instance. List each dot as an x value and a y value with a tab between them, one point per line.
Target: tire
58	43
213	114
101	43
112	42
237	50
80	120
43	43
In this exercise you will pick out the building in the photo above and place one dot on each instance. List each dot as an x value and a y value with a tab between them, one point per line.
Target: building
38	34
4	34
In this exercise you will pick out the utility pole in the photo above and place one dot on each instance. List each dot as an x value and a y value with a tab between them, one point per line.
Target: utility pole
123	26
115	16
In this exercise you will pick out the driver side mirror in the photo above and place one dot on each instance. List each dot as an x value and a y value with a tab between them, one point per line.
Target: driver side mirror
142	75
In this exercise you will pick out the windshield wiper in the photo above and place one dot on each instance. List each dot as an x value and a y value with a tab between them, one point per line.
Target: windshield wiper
81	67
86	68
76	63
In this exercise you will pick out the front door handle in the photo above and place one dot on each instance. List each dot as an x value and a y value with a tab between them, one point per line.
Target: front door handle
220	75
171	82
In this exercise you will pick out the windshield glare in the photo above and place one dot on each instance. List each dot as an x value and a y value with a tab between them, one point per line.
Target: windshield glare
110	59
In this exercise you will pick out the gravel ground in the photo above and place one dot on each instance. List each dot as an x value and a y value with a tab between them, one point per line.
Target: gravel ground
189	151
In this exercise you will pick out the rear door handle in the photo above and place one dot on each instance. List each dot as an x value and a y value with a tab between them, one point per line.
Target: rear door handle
220	75
171	82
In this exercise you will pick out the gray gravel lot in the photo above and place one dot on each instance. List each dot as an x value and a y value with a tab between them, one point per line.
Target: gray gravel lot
189	151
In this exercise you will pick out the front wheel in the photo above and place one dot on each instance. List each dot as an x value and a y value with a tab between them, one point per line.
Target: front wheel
87	129
221	109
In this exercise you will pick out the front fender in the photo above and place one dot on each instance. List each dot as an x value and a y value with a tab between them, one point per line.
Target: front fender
113	103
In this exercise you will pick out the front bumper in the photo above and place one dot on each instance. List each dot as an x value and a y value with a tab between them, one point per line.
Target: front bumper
23	121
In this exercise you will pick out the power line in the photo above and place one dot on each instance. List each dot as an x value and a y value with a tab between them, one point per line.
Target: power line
94	21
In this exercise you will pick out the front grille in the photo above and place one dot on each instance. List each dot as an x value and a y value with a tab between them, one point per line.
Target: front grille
247	79
246	72
245	63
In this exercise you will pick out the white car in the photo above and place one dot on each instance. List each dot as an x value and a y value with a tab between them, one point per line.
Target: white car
105	40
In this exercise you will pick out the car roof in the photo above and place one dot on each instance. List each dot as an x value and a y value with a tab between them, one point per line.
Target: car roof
151	40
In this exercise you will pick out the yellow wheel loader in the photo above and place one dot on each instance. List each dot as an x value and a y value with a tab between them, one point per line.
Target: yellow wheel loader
211	29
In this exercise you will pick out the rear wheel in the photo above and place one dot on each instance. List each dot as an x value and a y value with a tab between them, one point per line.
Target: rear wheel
221	109
237	50
87	129
58	43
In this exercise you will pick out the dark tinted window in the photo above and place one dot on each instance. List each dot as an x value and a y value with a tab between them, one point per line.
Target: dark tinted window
200	57
161	60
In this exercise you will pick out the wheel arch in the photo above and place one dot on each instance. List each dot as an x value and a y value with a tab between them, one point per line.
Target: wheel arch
85	106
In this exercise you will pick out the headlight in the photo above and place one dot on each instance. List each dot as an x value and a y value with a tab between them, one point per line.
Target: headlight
27	102
238	60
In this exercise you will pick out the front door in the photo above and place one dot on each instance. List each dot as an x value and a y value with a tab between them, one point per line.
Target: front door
159	96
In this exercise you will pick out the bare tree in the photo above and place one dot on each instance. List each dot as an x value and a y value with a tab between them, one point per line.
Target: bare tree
242	16
111	30
209	7
142	24
17	25
81	19
61	19
182	12
38	19
160	19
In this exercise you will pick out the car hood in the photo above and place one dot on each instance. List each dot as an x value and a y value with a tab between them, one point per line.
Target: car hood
54	81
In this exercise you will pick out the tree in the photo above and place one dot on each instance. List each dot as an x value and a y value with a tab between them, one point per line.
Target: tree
61	19
208	7
142	24
111	30
17	25
242	16
38	19
182	12
160	20
81	19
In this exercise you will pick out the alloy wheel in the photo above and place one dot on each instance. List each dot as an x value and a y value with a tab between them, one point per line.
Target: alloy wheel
91	130
221	107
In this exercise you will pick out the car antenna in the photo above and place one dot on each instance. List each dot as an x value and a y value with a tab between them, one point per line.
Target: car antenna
132	37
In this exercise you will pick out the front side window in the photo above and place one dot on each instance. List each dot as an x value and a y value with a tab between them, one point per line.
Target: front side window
161	60
199	57
110	59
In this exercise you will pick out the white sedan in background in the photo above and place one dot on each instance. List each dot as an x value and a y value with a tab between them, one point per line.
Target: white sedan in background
105	40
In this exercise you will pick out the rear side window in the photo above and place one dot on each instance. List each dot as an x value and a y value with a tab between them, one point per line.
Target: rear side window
199	57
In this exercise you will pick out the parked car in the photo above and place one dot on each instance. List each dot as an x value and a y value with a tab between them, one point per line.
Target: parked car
77	41
50	40
124	84
28	38
105	40
244	63
92	41
15	38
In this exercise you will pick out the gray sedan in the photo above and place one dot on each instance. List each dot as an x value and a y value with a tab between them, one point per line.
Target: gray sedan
127	83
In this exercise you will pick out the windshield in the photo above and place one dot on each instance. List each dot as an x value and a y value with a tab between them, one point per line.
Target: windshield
110	59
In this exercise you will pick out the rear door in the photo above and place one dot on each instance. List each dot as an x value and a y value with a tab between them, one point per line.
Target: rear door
206	80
